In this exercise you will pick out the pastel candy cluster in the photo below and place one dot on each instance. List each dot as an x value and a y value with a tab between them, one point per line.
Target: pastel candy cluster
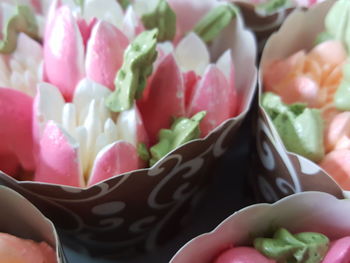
89	90
318	79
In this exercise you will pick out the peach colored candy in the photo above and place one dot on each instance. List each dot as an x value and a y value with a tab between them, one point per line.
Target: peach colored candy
339	251
310	78
338	132
16	250
242	255
337	164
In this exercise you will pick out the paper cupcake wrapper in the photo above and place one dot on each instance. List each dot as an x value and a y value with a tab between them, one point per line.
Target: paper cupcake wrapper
279	172
20	218
138	210
325	214
263	25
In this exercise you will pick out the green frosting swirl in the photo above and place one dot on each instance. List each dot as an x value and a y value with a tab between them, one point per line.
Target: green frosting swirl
210	26
182	130
23	20
300	128
163	18
284	247
132	76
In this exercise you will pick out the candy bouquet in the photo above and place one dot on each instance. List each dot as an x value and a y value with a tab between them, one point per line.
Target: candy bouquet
26	236
303	122
113	114
277	233
265	16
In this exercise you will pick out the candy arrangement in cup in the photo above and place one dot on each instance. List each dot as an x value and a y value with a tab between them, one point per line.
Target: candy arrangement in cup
307	98
308	227
92	91
284	247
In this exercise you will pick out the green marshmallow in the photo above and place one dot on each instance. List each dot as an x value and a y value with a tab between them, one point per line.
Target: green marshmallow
272	6
132	76
300	128
337	22
342	95
23	20
210	26
284	247
163	18
182	130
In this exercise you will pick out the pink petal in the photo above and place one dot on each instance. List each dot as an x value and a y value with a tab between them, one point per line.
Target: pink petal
225	64
54	6
9	164
165	99
58	160
64	52
339	251
104	54
16	126
117	158
212	94
190	81
86	28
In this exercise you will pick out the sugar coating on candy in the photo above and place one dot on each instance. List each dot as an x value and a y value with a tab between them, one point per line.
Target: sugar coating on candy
17	250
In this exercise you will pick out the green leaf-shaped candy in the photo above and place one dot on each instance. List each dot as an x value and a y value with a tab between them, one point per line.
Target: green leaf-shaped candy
210	26
300	128
23	20
163	18
182	130
132	76
306	247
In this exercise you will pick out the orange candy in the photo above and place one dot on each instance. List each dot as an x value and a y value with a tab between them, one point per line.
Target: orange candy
17	250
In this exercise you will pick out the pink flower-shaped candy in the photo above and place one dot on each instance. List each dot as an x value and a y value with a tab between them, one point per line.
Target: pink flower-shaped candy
82	142
78	47
192	85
